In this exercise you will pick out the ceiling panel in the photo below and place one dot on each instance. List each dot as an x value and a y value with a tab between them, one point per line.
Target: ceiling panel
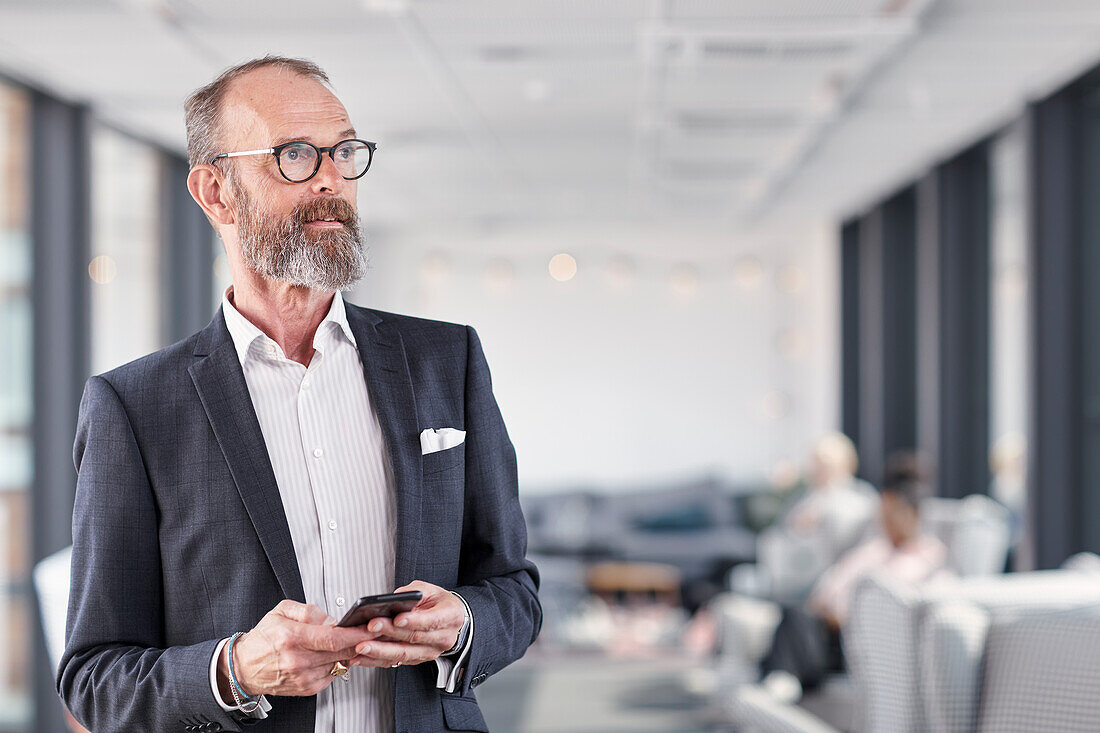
743	112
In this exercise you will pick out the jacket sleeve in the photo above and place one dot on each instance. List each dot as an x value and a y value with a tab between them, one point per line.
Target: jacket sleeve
495	577
117	673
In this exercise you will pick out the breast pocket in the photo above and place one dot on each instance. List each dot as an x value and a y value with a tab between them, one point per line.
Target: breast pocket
451	459
444	490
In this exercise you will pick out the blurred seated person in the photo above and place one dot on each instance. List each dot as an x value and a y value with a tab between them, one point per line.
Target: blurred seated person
833	514
806	644
825	522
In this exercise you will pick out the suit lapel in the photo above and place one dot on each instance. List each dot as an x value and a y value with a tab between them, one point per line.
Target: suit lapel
223	392
390	387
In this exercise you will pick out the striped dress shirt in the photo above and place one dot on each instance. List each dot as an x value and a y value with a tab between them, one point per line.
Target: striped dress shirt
337	487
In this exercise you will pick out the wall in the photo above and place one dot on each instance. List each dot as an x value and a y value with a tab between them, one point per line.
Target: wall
671	353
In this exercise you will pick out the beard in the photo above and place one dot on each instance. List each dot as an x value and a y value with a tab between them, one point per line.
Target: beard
287	251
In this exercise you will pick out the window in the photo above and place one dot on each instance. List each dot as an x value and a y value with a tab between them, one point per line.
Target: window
16	395
125	263
1009	308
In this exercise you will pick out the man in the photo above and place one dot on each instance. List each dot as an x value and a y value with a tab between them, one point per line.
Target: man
297	453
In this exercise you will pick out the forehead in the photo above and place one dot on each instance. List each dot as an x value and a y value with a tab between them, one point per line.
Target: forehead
275	102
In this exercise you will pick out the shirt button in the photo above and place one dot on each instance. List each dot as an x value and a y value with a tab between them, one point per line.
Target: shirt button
339	600
305	384
332	524
317	452
270	350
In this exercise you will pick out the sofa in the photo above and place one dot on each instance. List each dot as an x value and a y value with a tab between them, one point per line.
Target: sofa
975	531
958	656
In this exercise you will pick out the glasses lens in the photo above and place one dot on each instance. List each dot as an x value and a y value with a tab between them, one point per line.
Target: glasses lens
352	158
298	161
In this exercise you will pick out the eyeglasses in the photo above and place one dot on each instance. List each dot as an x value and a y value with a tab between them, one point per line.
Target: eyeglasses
299	161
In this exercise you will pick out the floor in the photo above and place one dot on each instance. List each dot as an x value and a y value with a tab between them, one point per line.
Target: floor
593	694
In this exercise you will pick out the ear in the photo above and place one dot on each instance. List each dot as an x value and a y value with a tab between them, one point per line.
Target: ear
207	186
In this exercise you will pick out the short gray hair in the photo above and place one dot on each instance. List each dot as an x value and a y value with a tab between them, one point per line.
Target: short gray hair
203	109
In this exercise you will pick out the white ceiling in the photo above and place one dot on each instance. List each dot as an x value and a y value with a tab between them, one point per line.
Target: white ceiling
742	114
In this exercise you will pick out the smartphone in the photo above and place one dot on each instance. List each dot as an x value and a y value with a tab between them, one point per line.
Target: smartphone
387	604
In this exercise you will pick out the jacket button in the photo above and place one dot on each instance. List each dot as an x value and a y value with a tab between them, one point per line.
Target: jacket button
213	727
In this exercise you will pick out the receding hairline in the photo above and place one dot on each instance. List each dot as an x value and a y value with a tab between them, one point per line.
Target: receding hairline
204	108
234	82
236	100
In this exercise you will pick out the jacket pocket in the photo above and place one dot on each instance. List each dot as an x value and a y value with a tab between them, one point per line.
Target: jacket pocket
442	460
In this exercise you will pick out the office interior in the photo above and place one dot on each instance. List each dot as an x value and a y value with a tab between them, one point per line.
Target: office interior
694	237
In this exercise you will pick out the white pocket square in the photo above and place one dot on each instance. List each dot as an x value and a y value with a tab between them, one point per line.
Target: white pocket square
433	440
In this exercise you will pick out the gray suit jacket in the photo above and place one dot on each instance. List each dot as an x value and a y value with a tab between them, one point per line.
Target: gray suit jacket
180	538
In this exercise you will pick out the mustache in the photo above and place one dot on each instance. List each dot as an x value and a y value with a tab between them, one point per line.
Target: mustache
326	208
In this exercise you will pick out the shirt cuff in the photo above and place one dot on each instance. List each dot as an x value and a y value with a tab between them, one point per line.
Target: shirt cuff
449	668
261	709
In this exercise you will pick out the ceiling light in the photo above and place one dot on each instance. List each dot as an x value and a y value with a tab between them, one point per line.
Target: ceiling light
102	270
563	267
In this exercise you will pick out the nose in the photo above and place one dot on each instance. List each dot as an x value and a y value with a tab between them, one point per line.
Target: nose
328	178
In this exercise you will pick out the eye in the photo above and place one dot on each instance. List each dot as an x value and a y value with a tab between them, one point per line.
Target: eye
297	153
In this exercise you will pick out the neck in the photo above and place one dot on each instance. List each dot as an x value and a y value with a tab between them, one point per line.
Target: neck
288	314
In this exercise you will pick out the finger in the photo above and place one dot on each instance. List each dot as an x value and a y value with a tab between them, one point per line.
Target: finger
301	612
442	615
386	654
425	588
300	662
317	679
416	621
380	626
430	594
325	659
441	638
332	639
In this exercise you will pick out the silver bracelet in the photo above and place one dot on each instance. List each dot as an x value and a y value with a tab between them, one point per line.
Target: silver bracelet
234	687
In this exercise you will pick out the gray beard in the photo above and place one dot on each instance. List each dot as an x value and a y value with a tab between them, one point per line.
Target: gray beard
284	250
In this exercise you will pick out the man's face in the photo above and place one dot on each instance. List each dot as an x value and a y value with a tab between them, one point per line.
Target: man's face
305	233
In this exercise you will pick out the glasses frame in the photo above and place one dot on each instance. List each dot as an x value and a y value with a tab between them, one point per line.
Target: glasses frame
278	149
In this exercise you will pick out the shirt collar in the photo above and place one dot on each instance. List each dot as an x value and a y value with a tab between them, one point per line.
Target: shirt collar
244	333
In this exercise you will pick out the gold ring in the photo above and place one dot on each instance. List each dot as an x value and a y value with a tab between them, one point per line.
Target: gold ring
338	668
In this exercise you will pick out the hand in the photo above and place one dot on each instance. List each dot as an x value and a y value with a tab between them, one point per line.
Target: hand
290	652
416	636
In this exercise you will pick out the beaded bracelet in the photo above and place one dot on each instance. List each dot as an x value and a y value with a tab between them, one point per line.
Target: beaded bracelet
234	687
